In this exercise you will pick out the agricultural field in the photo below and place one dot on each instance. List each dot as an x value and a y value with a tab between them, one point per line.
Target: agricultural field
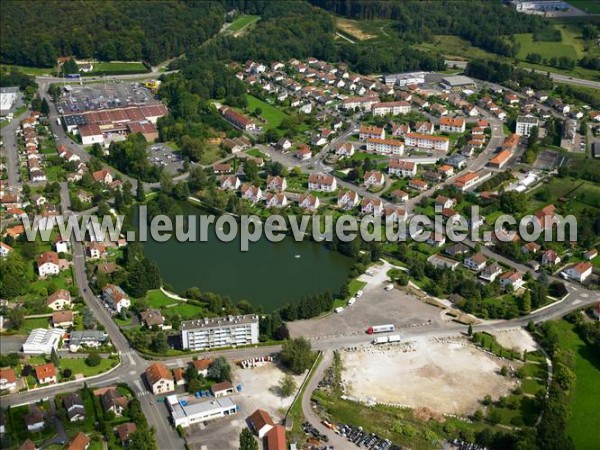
545	49
584	419
455	48
272	115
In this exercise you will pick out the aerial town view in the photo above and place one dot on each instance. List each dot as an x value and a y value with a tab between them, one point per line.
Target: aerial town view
300	224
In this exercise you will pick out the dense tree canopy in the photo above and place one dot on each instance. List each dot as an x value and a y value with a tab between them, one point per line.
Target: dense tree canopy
36	32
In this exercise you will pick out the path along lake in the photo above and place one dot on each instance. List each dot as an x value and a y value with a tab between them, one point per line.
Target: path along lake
270	274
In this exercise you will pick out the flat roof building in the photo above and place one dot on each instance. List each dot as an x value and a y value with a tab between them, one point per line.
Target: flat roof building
8	97
205	334
41	341
458	83
189	410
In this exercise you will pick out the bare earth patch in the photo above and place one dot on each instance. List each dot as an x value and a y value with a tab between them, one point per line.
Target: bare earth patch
444	378
351	27
516	339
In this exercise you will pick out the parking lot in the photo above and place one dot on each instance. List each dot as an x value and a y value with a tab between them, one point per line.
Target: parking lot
375	307
164	156
112	94
260	389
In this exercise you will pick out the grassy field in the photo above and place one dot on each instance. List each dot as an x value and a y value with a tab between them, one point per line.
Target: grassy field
545	49
169	306
40	322
589	6
272	115
453	47
78	366
119	67
242	21
584	420
26	70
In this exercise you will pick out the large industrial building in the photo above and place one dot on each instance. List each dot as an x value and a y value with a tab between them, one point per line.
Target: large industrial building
42	341
8	97
190	410
206	334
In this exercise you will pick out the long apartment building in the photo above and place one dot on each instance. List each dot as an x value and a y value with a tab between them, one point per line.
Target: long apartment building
426	141
206	334
394	108
385	146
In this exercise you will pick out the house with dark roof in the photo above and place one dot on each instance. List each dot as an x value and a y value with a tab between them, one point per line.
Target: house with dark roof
75	407
112	400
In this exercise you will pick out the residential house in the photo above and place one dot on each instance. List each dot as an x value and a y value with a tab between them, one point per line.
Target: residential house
46	373
103	176
35	419
436	239
62	319
80	442
28	445
202	366
348	199
48	264
276	183
457	250
530	247
419	185
404	169
441	262
546	216
395	214
490	272
322	182
467	180
424	128
344	150
112	400
550	257
372	206
444	202
251	193
512	279
261	422
276	200
159	378
304	152
275	439
590	254
579	271
309	202
75	407
152	318
61	245
222	389
399	195
458	161
96	250
446	170
475	262
452	125
238	120
393	108
8	380
374	178
124	432
61	299
115	297
229	182
222	168
5	249
450	216
511	142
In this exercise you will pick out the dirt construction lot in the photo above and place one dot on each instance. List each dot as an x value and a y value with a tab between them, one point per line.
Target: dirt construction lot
444	377
259	390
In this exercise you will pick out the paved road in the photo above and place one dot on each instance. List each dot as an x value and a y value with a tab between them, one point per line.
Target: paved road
11	153
564	79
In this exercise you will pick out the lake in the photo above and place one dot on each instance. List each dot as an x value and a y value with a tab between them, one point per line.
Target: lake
268	274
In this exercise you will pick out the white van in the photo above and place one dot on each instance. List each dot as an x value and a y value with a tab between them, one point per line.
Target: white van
389	287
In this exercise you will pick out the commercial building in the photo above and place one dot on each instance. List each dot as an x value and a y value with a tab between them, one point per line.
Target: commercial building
41	341
205	334
500	160
458	83
525	124
8	97
89	338
531	6
188	411
404	79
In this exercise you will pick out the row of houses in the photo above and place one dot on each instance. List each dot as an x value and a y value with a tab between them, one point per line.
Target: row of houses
34	159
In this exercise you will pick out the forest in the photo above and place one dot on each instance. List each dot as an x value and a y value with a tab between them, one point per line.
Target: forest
36	32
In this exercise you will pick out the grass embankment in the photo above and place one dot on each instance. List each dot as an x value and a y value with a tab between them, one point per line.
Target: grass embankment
272	115
584	420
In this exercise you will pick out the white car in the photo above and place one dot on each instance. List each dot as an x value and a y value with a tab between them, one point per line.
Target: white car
339	309
389	287
351	301
359	294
